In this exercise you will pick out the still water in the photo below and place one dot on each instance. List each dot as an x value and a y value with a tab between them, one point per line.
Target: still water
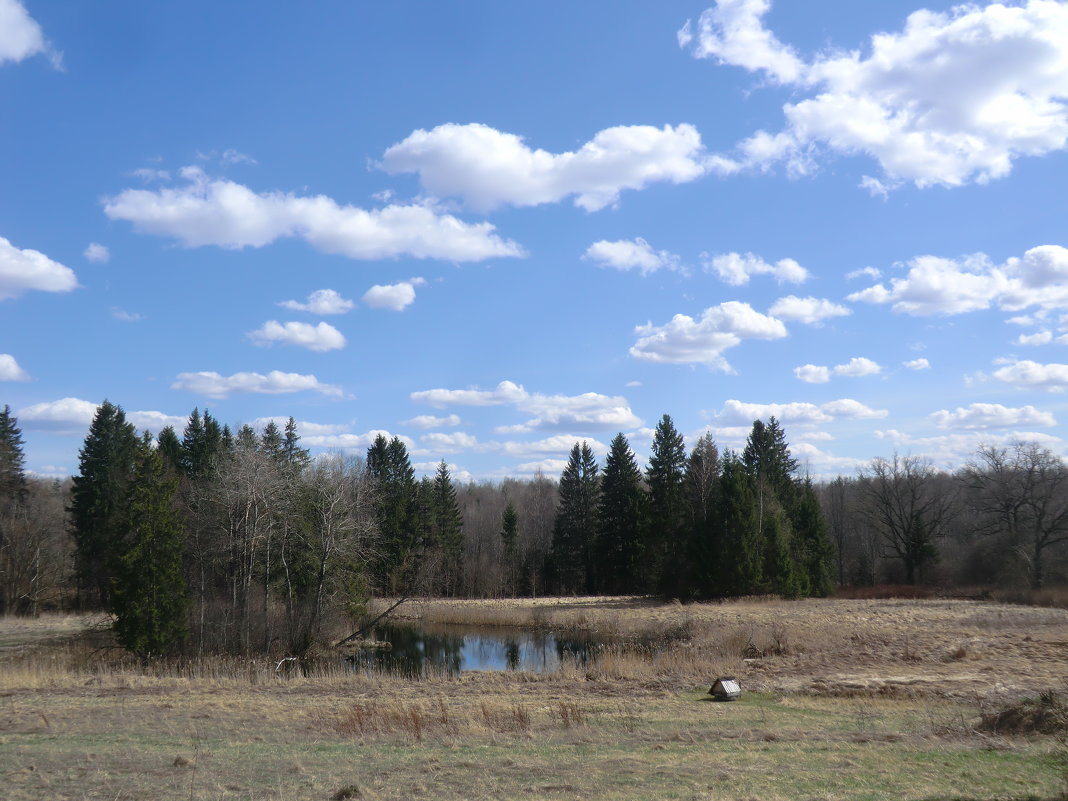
450	650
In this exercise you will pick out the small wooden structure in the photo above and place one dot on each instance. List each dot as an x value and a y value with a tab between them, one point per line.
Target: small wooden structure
725	688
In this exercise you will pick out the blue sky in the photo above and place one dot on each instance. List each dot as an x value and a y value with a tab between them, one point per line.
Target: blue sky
494	228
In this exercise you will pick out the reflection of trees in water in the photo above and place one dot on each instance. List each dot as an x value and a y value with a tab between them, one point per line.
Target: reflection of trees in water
415	651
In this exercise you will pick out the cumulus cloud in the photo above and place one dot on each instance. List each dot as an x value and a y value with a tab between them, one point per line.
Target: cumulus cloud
208	211
214	385
736	269
488	168
97	253
952	98
321	301
938	286
551	412
739	413
917	364
560	443
395	297
634	254
10	370
810	311
1027	374
813	373
21	37
951	451
685	340
858	366
74	415
1038	338
984	416
304	428
23	270
865	272
320	338
426	421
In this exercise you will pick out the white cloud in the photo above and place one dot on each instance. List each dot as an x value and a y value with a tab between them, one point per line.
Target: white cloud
560	443
1038	338
951	451
1032	375
214	385
736	269
811	311
732	32
425	421
917	364
858	366
320	338
589	410
983	416
352	441
547	467
23	270
456	473
490	168
952	98
505	392
685	340
437	442
813	373
97	253
219	212
395	297
20	35
74	416
321	301
634	254
869	272
739	413
304	428
10	370
937	286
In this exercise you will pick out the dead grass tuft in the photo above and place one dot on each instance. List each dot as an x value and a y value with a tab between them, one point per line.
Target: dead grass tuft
1046	714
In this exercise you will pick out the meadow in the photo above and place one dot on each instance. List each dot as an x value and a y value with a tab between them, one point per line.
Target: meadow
842	699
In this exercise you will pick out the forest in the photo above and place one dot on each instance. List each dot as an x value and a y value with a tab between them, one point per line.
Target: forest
214	541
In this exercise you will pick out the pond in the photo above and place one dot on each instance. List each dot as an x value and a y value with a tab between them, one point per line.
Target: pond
452	649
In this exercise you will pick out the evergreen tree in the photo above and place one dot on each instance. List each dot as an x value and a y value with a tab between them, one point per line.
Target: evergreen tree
246	439
292	454
149	597
621	514
12	470
509	541
814	547
98	498
391	471
576	523
272	442
738	532
201	444
448	531
170	447
666	539
780	575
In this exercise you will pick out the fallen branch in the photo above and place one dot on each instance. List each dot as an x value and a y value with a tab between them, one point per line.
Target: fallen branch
364	629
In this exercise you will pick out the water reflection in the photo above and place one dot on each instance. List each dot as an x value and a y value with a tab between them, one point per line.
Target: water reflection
415	651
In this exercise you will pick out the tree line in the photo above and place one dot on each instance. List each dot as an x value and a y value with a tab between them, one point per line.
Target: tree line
211	540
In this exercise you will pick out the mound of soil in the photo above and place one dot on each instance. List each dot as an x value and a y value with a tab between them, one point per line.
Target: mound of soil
1047	714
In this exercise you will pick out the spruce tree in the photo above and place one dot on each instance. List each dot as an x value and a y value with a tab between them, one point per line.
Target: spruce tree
272	442
292	454
510	546
448	531
575	526
150	596
98	498
666	550
738	534
702	489
621	514
170	447
12	460
815	552
396	490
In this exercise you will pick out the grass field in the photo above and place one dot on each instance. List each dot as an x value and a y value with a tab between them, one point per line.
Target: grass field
844	700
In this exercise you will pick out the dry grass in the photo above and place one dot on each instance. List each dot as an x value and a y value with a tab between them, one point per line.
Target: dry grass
845	699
